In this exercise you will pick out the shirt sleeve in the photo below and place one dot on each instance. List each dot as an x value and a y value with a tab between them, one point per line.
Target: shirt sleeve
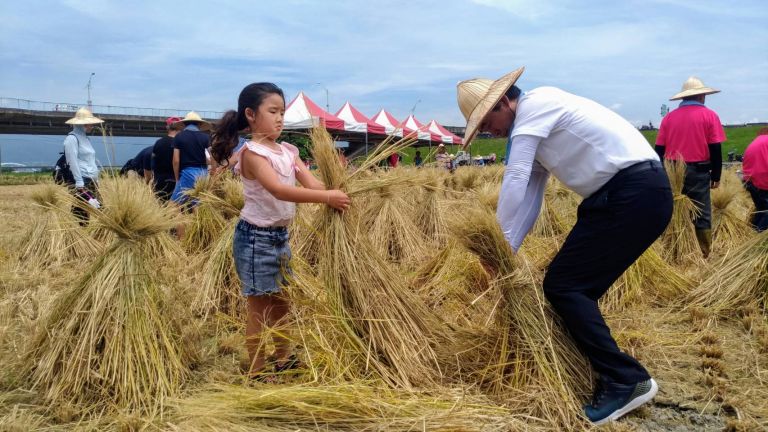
537	115
522	190
661	137
70	152
716	133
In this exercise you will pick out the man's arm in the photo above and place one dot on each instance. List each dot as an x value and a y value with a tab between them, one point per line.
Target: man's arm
522	190
716	163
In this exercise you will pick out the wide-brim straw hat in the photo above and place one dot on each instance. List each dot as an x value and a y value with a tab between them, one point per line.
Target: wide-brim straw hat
478	96
195	117
84	117
692	87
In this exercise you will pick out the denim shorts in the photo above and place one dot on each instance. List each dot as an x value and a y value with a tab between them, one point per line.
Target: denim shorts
187	179
262	258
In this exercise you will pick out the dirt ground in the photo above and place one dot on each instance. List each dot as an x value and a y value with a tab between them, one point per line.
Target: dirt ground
712	372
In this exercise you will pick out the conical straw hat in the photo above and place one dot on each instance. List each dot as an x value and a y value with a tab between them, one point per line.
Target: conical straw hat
195	117
692	87
478	96
84	117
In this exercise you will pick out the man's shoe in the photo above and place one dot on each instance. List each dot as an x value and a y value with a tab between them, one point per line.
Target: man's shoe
613	400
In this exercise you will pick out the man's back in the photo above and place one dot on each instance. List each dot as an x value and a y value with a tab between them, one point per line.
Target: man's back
162	154
192	145
687	131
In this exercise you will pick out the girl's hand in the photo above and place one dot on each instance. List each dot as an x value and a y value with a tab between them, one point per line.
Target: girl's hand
338	200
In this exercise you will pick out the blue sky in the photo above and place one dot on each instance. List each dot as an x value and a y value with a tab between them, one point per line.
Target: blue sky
629	55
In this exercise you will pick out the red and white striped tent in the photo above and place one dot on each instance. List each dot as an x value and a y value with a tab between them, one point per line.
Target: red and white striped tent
355	121
391	125
447	136
303	113
422	131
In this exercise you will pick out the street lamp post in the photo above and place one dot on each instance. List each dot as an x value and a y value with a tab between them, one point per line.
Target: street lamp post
327	105
413	109
90	103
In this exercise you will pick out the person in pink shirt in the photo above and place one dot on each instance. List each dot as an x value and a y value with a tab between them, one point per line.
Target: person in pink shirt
269	171
755	169
693	133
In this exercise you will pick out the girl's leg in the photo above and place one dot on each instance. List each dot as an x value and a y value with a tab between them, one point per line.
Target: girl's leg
278	311
257	319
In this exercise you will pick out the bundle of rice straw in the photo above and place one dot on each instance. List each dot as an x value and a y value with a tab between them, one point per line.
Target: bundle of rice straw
344	407
206	223
729	228
393	331
55	236
532	353
392	231
113	337
488	195
648	279
550	223
219	284
679	239
219	287
428	215
467	178
741	279
451	283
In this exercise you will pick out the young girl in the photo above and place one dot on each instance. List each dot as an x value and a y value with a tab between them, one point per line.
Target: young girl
269	171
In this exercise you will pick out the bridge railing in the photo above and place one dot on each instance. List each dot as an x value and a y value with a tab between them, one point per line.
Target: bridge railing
30	105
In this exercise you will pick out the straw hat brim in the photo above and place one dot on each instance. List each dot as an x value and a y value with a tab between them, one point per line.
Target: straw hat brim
491	98
84	121
694	92
203	125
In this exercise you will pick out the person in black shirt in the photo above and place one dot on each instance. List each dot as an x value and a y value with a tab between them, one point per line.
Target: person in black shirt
140	164
162	160
190	159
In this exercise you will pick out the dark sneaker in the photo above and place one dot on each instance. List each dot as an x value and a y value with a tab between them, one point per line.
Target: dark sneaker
613	400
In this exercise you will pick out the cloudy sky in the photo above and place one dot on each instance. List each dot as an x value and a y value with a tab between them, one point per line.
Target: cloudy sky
629	55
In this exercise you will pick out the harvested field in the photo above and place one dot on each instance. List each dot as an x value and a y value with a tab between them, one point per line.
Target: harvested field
463	339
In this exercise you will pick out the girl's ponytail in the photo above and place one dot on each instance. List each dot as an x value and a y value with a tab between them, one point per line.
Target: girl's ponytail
225	136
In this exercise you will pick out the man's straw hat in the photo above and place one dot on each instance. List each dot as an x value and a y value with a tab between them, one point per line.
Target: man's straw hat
692	87
195	117
478	96
84	117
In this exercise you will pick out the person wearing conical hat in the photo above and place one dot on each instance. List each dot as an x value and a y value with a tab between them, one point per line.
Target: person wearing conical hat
81	158
693	133
190	154
627	205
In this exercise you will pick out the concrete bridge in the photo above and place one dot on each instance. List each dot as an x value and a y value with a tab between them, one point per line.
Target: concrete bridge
21	116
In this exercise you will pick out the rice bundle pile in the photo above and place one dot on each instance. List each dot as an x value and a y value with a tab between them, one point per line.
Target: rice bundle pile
532	354
729	227
344	407
393	331
218	289
114	336
55	236
391	228
647	279
741	279
679	239
452	283
206	223
428	215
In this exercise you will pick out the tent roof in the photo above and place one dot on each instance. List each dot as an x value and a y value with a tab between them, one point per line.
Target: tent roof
355	121
447	136
423	132
303	113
